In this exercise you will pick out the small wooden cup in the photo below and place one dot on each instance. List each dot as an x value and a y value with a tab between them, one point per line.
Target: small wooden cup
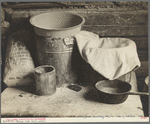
45	80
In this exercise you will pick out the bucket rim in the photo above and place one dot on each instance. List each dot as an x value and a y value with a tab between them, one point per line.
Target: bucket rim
31	21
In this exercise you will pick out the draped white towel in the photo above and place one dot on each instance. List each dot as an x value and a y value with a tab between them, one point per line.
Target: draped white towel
111	57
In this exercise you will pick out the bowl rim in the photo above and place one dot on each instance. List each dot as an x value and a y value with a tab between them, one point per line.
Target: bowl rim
124	93
55	12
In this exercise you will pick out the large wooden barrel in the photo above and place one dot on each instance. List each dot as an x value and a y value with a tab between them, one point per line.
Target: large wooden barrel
54	36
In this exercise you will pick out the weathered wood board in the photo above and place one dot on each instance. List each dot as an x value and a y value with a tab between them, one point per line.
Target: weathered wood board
118	31
95	17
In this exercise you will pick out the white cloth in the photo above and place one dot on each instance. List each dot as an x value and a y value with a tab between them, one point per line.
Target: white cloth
111	57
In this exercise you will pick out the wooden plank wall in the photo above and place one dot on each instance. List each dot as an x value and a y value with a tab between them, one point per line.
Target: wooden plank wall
106	22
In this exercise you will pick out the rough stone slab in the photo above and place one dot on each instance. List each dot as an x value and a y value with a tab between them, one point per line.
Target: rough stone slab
17	102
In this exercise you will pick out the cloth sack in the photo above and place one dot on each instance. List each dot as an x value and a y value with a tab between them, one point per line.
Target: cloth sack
19	64
111	57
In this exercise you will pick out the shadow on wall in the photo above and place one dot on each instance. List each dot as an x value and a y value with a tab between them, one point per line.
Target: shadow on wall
85	73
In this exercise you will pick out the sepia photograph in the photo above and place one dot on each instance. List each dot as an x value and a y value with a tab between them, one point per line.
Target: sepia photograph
68	61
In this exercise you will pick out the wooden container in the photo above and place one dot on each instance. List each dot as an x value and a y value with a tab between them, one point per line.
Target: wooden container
45	80
54	36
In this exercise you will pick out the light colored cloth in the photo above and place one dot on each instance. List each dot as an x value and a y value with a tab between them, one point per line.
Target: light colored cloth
147	80
111	57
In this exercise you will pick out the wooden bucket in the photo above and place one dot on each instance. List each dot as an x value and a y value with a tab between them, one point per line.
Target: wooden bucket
54	36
